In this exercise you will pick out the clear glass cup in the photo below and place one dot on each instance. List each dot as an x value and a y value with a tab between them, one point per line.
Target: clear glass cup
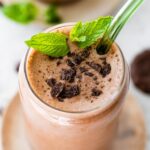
49	128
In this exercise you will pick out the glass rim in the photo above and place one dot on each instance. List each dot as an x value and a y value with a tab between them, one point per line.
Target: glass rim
120	87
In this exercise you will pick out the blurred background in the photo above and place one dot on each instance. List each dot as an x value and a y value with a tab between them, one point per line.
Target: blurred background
134	38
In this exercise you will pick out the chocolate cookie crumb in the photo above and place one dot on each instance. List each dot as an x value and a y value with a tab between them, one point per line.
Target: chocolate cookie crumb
140	71
51	58
70	91
85	54
71	54
96	92
58	62
77	59
89	74
95	78
83	69
57	89
68	75
79	77
106	69
60	99
51	82
70	63
95	66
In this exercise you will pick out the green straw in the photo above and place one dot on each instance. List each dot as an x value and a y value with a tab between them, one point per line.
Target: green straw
117	24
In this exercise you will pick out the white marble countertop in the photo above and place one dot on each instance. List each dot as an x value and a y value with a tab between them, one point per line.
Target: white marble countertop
134	38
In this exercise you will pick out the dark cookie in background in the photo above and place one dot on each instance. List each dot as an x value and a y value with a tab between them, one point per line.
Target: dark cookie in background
1	4
140	71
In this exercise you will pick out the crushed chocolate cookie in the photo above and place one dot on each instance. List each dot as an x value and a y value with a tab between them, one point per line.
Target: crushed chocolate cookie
71	54
96	92
57	89
60	99
51	58
60	57
51	82
58	63
95	66
83	69
95	78
68	75
77	59
85	54
70	63
70	91
89	74
79	77
106	69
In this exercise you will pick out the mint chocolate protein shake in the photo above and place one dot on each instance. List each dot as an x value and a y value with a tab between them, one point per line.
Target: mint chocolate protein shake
72	102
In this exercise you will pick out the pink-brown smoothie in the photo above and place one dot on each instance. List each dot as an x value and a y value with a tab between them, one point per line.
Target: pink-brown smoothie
82	92
88	76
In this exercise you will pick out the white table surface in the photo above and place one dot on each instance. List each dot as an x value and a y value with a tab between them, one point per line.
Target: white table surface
134	38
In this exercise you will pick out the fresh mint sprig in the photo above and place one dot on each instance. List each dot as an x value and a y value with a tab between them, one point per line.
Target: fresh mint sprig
86	34
55	44
24	12
51	44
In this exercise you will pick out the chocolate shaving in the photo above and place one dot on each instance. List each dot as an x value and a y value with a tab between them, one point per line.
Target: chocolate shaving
71	54
51	58
51	82
70	63
70	91
95	78
95	66
58	62
89	74
83	69
68	75
57	89
85	54
77	59
106	69
96	92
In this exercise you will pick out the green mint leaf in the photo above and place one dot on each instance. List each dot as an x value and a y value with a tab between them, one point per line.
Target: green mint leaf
51	15
20	12
88	33
51	44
